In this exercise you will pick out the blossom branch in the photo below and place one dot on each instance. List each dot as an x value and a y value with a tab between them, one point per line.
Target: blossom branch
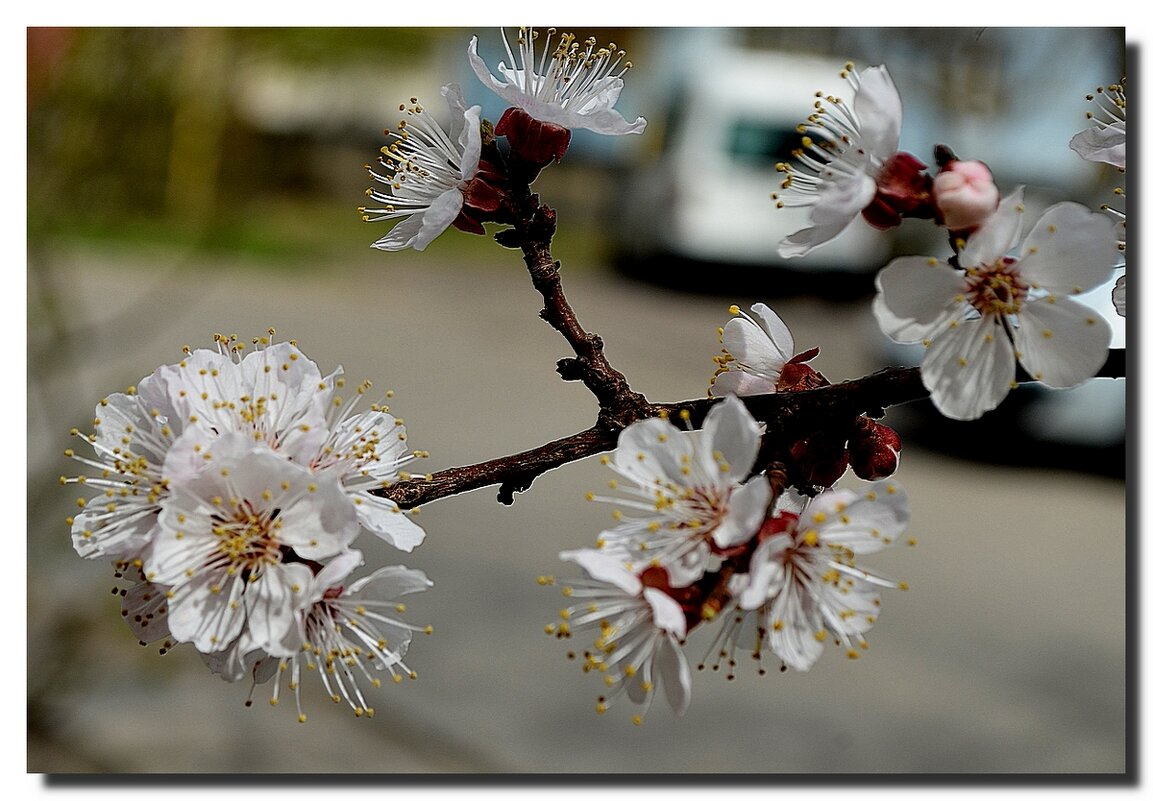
787	416
534	227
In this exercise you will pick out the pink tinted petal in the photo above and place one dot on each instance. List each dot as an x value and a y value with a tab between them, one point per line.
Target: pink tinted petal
916	297
1070	250
998	234
1062	342
969	370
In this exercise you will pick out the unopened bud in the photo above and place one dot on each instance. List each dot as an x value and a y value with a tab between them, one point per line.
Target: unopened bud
821	459
874	450
533	141
965	195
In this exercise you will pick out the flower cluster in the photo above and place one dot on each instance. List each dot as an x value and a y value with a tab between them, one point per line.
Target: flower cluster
230	488
988	307
700	537
434	178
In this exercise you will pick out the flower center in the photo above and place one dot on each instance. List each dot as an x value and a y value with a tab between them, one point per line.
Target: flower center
996	289
247	540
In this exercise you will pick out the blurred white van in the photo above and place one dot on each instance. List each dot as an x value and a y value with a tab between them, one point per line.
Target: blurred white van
707	196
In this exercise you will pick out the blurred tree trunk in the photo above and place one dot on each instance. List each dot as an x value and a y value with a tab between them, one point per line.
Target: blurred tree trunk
198	125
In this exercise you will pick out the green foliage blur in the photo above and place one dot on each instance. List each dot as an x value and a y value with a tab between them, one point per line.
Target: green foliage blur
149	135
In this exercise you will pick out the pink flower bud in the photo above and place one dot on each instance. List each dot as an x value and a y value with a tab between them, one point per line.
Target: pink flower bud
965	195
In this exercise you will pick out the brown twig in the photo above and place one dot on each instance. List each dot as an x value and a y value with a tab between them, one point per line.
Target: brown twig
787	417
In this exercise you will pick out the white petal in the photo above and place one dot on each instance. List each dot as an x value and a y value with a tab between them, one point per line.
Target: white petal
652	451
505	91
667	613
867	522
779	333
1119	296
739	383
210	621
271	603
1101	144
470	145
673	669
1062	342
335	572
603	567
747	507
1000	232
916	297
389	583
384	518
839	202
792	632
438	217
1070	250
765	572
878	107
730	430
609	121
969	369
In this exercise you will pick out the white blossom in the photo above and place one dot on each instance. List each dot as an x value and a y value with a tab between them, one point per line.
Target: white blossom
845	148
427	172
348	635
976	323
570	85
804	584
758	356
685	496
234	544
1104	139
639	627
278	397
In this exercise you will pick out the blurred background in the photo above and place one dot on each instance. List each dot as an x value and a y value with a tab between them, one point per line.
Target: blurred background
186	181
